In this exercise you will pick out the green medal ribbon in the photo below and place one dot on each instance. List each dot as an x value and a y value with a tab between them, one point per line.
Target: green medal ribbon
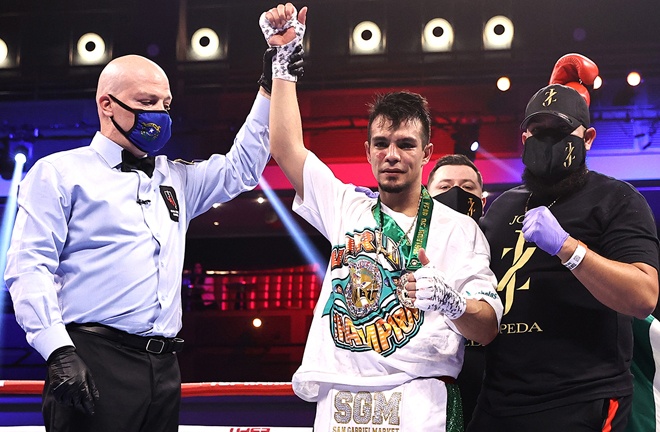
392	230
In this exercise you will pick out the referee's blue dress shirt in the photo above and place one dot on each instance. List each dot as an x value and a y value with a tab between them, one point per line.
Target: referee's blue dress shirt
83	250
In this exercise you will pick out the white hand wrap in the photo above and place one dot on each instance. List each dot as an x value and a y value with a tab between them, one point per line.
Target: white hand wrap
281	59
433	293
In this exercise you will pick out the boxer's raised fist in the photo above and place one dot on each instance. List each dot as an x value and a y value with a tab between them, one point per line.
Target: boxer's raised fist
574	67
575	71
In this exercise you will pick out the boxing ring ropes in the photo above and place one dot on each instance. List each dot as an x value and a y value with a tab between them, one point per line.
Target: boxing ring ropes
188	390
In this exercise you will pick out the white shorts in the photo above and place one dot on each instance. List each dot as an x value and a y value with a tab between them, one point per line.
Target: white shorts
418	405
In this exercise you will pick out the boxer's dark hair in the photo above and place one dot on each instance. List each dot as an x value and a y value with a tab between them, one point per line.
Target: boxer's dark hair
400	107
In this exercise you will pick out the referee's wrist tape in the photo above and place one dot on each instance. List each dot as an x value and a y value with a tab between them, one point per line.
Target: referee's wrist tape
577	257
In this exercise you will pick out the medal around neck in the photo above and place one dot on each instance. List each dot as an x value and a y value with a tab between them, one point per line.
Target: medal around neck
407	251
402	293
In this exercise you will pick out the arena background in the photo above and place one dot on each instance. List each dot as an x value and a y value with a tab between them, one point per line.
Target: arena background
257	265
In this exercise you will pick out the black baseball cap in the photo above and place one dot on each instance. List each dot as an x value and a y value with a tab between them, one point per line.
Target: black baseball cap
560	101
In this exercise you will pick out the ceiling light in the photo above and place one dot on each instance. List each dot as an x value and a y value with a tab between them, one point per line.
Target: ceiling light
438	36
367	39
4	52
205	44
91	49
503	83
598	82
634	79
498	33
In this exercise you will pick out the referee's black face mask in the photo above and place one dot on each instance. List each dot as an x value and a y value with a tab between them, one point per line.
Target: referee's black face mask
553	155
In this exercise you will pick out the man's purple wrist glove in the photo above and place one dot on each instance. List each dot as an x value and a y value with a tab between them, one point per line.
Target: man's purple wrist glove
541	227
368	192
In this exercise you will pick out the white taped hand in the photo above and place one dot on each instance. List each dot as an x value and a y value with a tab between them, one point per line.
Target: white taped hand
283	55
433	293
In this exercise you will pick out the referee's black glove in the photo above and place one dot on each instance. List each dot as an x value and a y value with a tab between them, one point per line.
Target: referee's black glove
295	67
297	61
71	381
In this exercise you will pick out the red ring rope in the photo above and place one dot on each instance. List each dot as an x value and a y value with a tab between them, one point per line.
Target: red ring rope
187	389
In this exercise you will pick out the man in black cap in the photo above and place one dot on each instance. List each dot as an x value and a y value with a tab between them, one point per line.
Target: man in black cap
576	256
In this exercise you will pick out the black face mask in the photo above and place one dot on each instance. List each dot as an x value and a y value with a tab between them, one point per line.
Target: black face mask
462	201
553	156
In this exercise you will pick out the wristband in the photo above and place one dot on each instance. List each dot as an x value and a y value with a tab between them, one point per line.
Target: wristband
577	257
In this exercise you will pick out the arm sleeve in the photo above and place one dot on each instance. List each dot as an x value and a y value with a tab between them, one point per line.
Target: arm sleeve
39	234
629	233
470	271
222	177
482	285
323	195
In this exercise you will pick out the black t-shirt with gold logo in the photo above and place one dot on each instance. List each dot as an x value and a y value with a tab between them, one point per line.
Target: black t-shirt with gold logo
558	344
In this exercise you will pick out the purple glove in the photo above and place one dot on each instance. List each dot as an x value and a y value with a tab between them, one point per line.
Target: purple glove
365	190
541	227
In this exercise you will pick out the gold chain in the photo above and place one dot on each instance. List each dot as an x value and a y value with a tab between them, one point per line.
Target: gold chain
379	238
530	197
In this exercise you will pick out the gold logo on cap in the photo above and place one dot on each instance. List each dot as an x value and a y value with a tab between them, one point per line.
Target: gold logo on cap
550	97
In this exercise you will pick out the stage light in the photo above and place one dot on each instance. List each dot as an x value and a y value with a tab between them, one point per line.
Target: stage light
20	158
498	33
438	36
18	154
634	79
598	82
204	34
91	50
205	45
13	154
466	139
257	322
503	83
367	39
8	51
90	39
4	53
302	241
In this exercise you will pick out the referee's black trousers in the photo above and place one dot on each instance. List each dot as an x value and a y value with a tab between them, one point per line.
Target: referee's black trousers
138	391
